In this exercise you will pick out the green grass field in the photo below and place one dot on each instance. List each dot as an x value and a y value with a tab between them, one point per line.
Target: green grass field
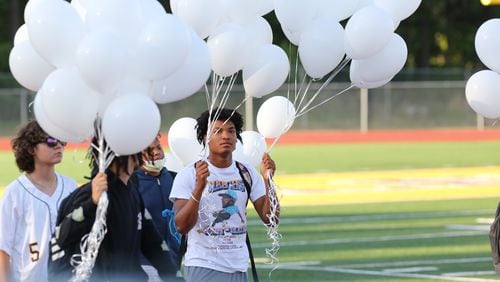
431	240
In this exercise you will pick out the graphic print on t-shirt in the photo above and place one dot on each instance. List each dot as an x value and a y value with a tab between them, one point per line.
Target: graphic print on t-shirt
225	214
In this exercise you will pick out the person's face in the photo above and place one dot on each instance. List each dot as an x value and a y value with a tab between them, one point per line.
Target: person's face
49	151
223	139
153	152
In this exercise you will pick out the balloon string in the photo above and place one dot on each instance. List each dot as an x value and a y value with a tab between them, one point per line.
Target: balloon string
273	226
89	245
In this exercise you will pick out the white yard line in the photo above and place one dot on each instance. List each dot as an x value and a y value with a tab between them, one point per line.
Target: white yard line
389	216
468	273
417	262
410	269
386	274
374	239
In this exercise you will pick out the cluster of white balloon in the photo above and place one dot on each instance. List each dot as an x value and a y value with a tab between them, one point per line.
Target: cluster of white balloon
107	58
481	90
377	52
238	38
325	47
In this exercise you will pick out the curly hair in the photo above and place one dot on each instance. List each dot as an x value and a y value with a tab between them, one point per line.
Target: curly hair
24	143
218	114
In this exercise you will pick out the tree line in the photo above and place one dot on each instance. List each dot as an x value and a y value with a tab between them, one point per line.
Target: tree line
440	34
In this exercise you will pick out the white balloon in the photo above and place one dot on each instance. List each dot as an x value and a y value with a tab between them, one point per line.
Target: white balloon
51	128
189	78
124	17
321	47
252	149
359	82
79	8
172	163
367	32
55	30
399	10
101	59
487	43
264	6
131	122
337	9
202	15
275	116
482	93
266	72
182	140
131	83
293	36
21	35
161	47
241	11
294	15
226	45
386	63
30	5
69	103
27	67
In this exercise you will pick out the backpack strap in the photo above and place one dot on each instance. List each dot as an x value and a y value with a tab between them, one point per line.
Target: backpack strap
247	180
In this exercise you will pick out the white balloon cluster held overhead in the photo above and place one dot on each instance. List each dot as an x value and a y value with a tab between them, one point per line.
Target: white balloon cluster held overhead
481	90
368	40
238	39
107	58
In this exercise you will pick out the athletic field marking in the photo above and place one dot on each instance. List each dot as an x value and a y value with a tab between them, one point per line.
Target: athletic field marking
389	186
386	274
416	262
410	269
468	227
389	216
469	273
375	239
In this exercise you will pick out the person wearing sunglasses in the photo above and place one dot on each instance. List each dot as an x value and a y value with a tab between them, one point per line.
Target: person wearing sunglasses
28	208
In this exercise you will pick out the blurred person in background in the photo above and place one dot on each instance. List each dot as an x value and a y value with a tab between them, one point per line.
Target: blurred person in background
130	230
155	183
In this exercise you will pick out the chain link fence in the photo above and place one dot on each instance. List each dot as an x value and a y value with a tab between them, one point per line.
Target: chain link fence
397	105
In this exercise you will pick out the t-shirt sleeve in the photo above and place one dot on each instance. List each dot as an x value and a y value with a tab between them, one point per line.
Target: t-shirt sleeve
9	214
183	184
258	187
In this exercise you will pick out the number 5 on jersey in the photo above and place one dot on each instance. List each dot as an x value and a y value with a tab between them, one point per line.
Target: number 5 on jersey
34	251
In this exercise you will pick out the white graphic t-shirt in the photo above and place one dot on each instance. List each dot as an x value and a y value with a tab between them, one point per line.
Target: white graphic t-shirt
217	241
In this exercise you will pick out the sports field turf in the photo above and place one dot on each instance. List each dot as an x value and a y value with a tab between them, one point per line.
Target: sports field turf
372	212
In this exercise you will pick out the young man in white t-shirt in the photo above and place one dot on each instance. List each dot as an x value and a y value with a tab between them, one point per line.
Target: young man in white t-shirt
210	202
28	209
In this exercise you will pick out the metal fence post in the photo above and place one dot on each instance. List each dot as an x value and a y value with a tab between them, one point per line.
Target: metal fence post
363	111
23	104
249	112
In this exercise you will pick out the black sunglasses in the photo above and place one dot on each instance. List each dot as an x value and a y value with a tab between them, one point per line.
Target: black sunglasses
52	142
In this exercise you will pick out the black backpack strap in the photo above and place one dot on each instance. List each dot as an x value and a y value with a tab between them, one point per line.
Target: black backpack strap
247	180
182	249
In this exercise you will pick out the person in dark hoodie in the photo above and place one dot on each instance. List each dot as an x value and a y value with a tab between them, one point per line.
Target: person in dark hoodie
130	230
155	183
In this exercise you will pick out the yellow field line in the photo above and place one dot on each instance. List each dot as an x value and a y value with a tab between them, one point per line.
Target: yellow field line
387	186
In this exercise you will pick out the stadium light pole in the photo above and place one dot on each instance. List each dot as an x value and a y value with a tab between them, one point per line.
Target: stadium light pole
490	2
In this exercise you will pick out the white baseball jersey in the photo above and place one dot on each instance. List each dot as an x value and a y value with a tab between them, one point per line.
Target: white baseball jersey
27	221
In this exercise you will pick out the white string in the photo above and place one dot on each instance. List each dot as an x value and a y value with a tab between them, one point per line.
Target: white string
89	245
272	227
